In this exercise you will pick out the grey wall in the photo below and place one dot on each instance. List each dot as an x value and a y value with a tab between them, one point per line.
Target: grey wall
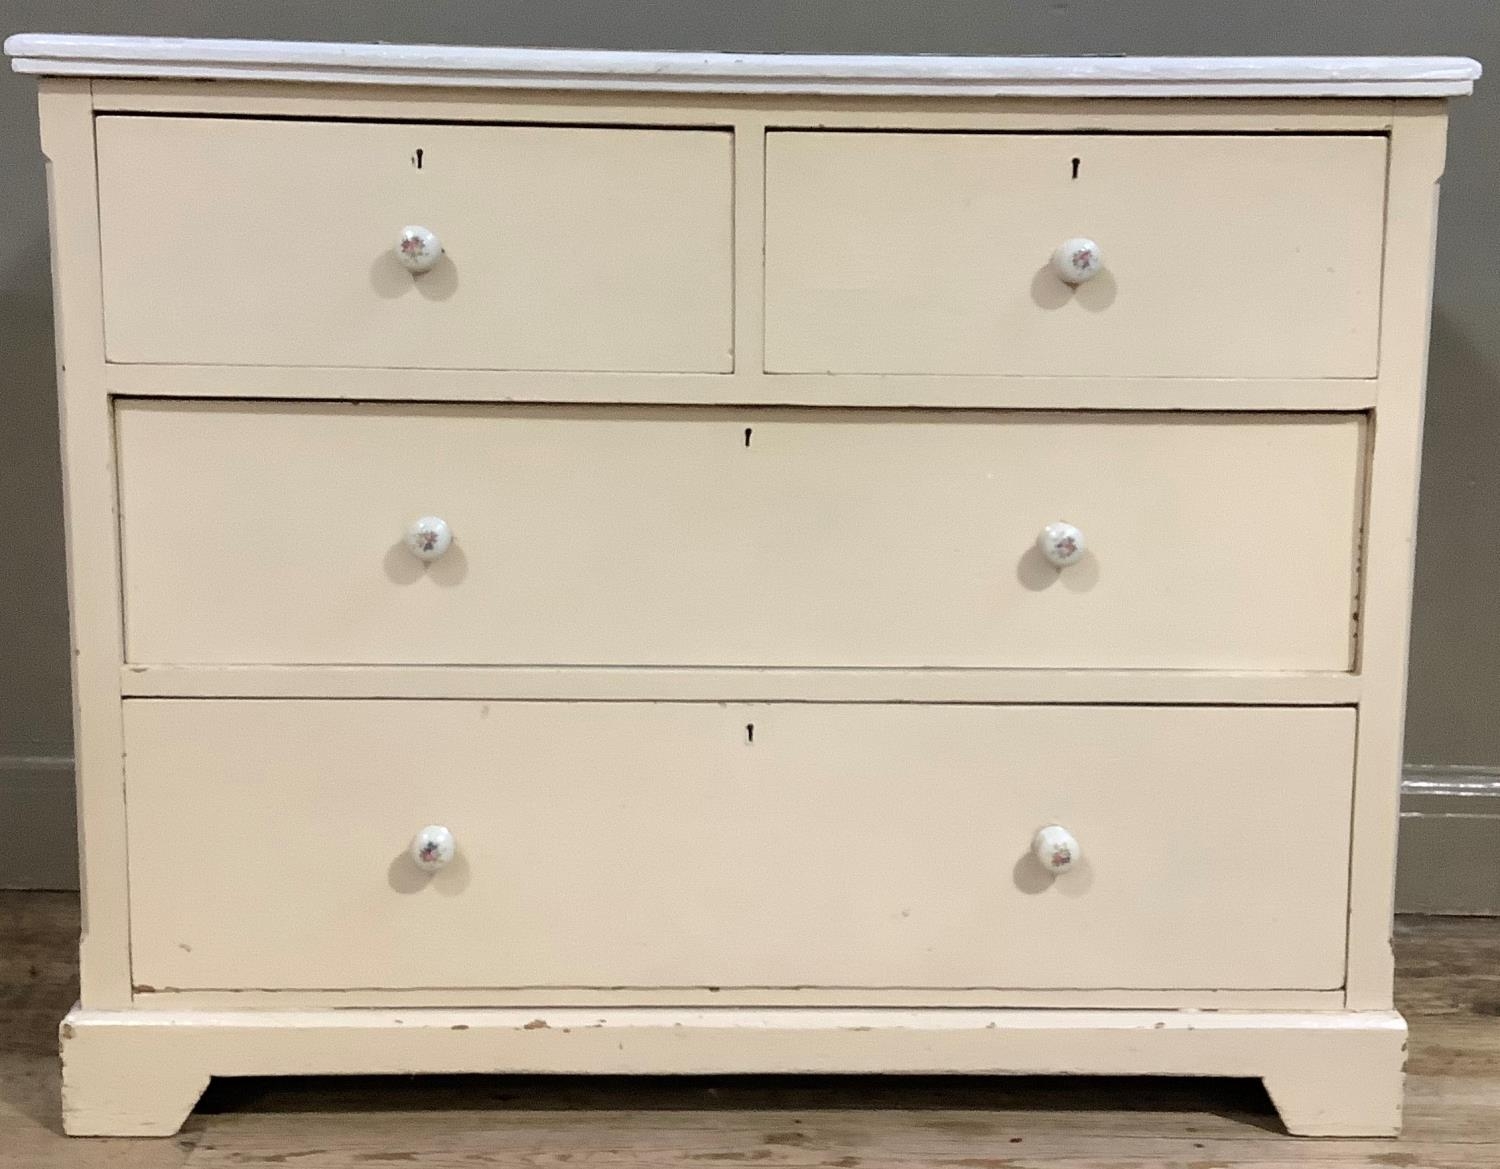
1454	714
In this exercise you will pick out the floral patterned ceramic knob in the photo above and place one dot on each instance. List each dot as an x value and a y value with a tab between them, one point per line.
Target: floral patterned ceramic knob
432	848
1062	544
429	537
1056	848
1077	260
418	248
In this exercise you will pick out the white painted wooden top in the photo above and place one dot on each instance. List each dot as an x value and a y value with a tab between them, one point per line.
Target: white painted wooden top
595	69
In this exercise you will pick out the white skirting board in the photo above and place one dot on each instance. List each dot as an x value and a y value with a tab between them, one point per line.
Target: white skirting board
1449	860
1329	1073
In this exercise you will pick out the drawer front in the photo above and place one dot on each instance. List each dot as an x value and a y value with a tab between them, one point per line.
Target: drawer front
275	243
1223	256
661	844
273	533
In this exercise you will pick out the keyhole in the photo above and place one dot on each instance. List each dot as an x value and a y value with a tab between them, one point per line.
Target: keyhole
749	732
747	436
1076	161
417	159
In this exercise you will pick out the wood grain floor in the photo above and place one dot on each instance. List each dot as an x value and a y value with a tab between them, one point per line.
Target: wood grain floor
1449	986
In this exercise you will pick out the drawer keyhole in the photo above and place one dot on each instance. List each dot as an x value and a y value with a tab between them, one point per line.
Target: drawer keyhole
417	159
1076	162
749	732
747	436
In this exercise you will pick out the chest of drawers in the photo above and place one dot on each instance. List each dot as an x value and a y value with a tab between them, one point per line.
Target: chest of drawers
615	562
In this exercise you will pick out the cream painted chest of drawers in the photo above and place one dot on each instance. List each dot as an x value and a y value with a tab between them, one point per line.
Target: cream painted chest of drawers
616	562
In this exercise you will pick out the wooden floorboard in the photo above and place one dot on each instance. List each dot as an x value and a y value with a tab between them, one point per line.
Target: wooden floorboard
1448	984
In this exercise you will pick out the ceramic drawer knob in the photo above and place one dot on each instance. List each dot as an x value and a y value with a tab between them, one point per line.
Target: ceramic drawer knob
433	847
1062	544
1056	848
429	537
419	249
1077	260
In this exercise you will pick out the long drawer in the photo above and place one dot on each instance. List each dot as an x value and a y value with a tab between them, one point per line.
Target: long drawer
251	242
1223	255
273	533
701	844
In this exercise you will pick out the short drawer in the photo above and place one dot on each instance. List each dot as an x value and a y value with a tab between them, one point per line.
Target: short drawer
707	845
274	533
1223	255
249	242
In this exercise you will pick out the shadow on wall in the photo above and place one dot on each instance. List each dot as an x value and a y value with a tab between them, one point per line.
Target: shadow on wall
1455	652
36	774
34	697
